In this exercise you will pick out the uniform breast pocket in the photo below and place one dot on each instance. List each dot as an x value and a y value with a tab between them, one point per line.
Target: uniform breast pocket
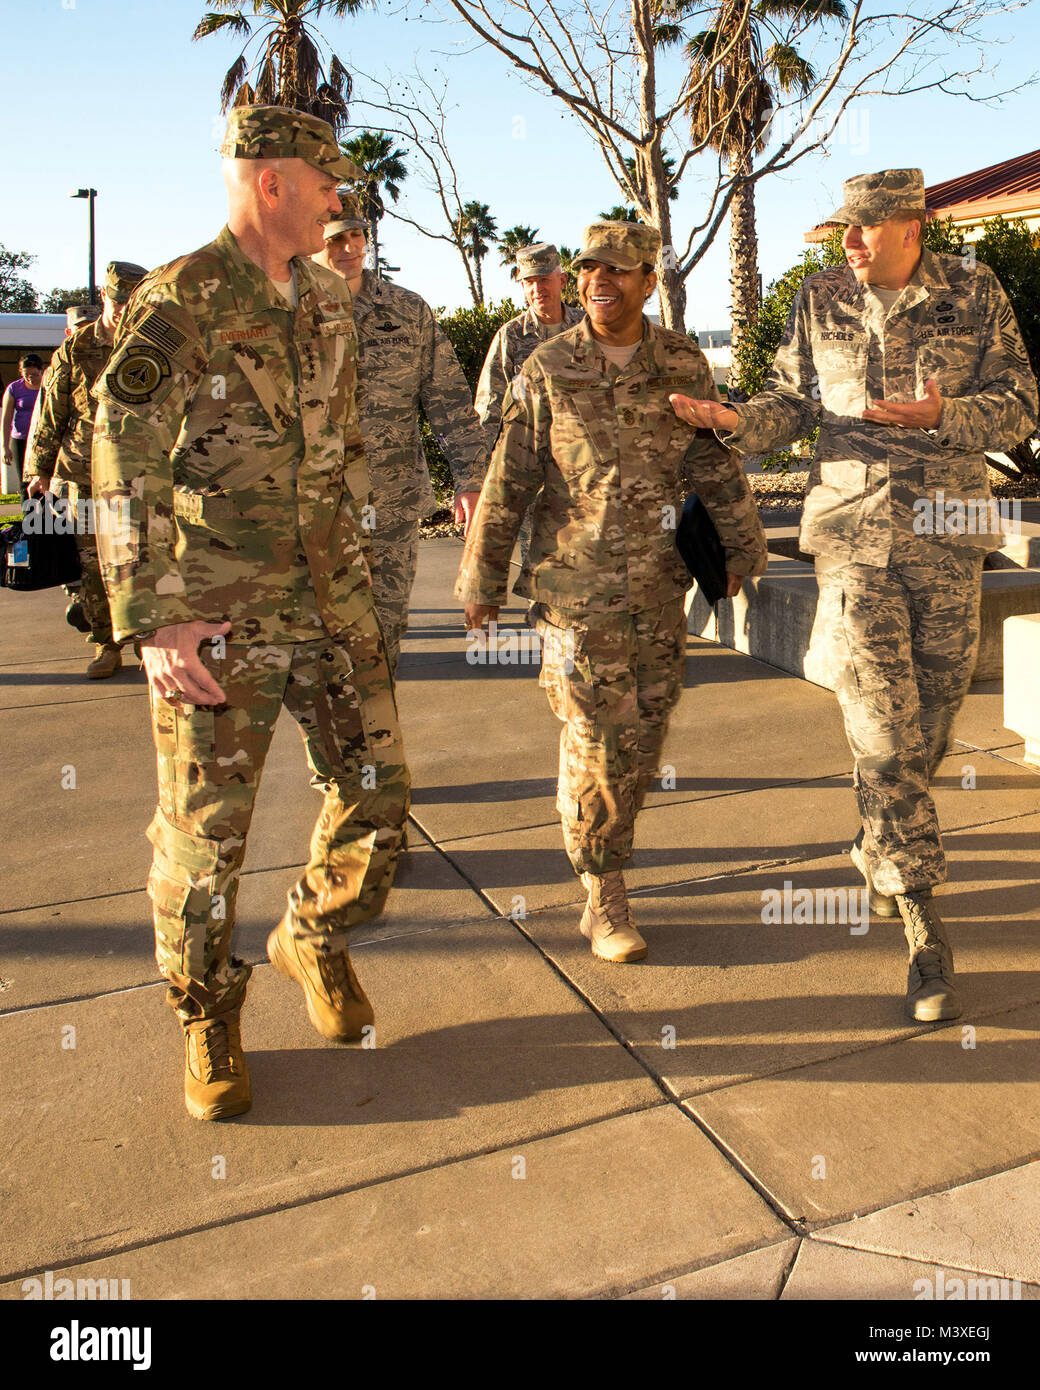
951	364
840	378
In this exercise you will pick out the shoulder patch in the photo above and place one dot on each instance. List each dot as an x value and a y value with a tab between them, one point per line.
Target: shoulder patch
1011	337
138	374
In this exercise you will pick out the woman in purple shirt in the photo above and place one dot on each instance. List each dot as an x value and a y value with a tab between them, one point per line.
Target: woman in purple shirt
19	399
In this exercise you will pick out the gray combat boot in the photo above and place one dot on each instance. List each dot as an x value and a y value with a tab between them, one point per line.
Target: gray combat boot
880	904
930	992
606	921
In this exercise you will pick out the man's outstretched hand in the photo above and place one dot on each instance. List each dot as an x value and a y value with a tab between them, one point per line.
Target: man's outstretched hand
172	664
704	415
922	414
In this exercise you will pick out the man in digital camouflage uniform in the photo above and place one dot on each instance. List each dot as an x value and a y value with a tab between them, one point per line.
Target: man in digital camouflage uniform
911	364
588	428
546	315
60	459
406	363
227	427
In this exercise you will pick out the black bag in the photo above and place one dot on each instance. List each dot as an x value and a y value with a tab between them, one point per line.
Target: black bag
698	543
39	552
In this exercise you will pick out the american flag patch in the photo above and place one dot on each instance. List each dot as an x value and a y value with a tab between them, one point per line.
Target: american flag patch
155	329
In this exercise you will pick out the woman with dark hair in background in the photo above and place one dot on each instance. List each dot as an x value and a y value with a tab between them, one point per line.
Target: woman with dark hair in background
19	399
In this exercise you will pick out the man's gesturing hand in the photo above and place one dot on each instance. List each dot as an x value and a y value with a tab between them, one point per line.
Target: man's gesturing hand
171	662
922	414
704	415
465	507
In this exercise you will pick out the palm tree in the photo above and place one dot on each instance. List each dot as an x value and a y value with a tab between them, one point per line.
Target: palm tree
730	105
619	214
510	242
570	284
475	224
287	69
374	154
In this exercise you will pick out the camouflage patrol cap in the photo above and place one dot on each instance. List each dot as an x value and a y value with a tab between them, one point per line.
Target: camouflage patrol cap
351	217
78	314
279	132
871	198
624	244
121	279
540	258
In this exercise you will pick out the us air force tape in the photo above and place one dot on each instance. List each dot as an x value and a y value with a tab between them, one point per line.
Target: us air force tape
136	376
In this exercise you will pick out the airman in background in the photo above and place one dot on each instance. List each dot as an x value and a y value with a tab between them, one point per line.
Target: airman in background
61	448
406	365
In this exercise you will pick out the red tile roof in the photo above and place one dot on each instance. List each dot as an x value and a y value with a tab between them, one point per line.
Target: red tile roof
1013	180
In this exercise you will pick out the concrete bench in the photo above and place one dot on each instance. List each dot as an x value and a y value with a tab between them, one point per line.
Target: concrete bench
772	617
1022	681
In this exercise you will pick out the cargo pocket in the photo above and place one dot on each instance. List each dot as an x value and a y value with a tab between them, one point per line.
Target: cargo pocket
188	892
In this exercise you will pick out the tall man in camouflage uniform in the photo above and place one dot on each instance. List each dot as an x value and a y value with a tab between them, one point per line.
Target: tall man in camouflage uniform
61	450
227	429
406	363
911	364
546	315
587	427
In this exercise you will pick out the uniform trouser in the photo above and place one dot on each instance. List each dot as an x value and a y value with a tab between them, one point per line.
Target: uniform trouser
613	679
393	560
902	642
92	595
209	766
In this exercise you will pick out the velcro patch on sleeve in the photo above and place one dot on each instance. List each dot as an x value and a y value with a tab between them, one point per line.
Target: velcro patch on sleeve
161	333
137	375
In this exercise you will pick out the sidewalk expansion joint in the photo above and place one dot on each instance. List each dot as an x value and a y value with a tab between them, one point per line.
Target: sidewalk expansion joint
674	1272
788	1270
312	1199
86	700
667	1093
129	892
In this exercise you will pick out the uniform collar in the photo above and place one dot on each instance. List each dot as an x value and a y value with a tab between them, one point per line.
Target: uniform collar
588	352
369	294
928	277
253	288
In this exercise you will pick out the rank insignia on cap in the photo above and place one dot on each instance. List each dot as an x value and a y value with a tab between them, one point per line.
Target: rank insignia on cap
136	376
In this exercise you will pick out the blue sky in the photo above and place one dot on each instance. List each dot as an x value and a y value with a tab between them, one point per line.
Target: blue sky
143	124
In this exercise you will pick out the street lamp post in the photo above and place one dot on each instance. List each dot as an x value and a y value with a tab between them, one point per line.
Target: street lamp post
90	194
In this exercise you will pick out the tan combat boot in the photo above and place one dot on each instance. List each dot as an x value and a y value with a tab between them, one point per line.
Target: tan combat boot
336	1004
930	992
881	905
606	921
216	1077
107	661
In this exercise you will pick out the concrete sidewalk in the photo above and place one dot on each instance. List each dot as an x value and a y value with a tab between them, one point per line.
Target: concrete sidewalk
747	1114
